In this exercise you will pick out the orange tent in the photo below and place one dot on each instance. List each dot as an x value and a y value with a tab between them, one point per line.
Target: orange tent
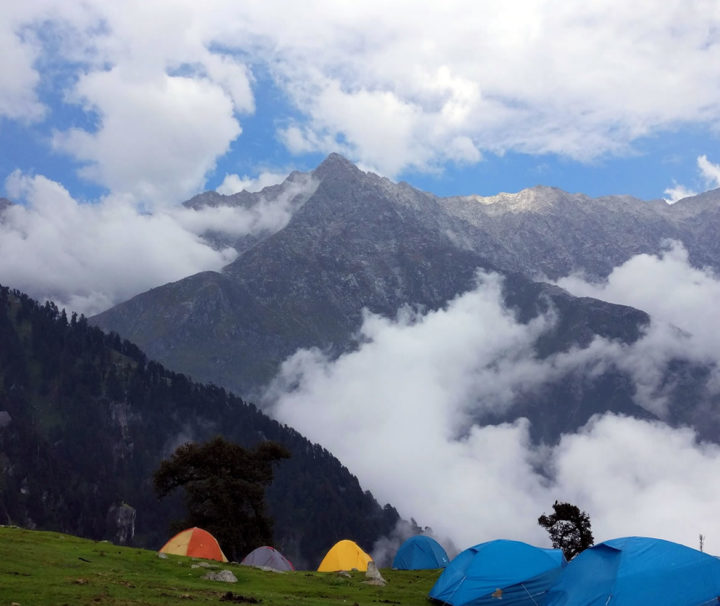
196	543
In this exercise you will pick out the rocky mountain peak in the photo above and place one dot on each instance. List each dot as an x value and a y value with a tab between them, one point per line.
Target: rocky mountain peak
209	198
694	205
336	166
532	199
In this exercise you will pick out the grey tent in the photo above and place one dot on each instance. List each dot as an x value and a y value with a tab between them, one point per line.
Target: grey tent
267	557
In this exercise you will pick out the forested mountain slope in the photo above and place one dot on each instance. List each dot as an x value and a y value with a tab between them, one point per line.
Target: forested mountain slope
85	419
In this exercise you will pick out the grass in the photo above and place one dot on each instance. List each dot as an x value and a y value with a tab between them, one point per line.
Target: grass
49	568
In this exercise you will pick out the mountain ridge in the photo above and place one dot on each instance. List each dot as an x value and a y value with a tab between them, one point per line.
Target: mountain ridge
360	242
349	241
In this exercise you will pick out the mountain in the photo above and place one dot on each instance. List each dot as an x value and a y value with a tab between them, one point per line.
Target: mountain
85	419
551	233
355	241
539	232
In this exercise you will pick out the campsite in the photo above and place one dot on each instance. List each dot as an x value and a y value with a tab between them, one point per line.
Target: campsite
38	567
359	303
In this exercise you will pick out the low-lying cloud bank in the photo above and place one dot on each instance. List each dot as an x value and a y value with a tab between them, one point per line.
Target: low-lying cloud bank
668	288
88	257
397	411
268	214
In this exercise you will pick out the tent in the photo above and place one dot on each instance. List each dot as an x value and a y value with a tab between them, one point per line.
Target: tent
344	555
638	570
267	557
196	543
506	572
420	553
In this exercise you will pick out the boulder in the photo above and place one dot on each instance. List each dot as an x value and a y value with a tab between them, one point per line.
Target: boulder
225	576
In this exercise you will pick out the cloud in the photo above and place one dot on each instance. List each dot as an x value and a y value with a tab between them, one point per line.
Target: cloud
268	214
400	410
551	81
677	296
485	363
396	412
709	175
90	256
677	192
159	104
233	184
391	86
670	289
388	140
633	487
710	172
158	137
18	78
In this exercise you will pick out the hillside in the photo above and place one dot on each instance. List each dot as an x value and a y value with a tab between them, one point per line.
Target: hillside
51	568
85	418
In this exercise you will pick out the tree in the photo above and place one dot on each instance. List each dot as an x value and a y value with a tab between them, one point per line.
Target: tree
569	529
224	490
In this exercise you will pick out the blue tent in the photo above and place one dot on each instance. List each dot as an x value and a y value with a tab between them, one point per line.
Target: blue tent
518	573
420	553
638	570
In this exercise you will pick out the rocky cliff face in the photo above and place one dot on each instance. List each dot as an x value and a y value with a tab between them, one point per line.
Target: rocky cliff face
358	241
548	232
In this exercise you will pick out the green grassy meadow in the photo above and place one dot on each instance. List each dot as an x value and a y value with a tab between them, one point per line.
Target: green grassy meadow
39	568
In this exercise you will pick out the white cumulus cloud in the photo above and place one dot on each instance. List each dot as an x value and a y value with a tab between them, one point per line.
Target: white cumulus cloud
158	137
399	411
18	77
710	172
709	178
90	256
580	80
394	86
640	478
677	192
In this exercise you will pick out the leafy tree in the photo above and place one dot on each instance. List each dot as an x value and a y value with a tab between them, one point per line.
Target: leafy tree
569	529
224	490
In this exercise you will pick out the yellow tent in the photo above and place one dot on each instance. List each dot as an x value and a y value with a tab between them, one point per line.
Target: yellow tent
345	555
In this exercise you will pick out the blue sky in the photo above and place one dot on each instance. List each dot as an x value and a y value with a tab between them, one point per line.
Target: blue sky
590	97
111	114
